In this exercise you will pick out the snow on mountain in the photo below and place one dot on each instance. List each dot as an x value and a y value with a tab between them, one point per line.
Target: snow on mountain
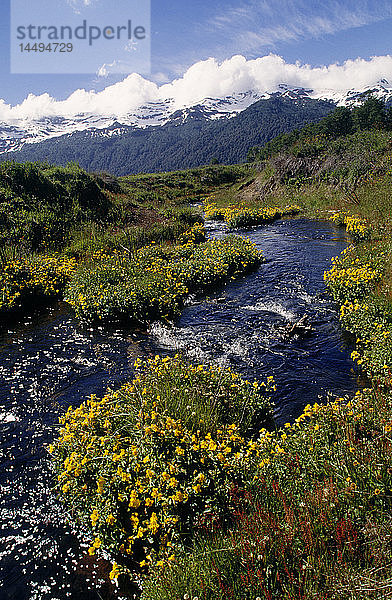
13	136
382	90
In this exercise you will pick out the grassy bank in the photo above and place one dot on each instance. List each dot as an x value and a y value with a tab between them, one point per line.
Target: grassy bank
54	219
153	282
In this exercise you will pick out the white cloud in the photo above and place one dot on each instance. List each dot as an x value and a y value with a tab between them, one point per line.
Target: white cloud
131	46
117	99
210	78
117	67
203	79
77	5
80	3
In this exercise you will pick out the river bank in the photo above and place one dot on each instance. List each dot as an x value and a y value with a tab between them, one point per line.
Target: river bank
316	518
61	363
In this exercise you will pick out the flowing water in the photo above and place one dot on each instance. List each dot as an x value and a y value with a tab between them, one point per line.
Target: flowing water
48	362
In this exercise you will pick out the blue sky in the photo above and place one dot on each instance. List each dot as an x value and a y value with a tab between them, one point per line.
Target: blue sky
315	33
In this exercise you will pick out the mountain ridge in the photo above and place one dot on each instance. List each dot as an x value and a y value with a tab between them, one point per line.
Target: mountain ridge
181	142
14	135
161	136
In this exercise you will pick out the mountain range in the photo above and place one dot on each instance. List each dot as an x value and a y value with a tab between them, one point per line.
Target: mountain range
162	137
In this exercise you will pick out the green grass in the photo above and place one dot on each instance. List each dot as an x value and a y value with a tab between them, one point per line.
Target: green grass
182	187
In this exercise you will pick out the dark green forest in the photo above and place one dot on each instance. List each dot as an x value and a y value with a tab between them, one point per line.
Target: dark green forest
310	141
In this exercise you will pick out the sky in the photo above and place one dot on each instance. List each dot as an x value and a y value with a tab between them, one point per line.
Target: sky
215	47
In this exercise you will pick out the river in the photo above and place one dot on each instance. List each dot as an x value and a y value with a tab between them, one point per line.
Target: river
48	362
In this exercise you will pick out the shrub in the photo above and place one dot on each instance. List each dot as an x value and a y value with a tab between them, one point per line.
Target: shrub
40	204
41	276
147	465
242	216
247	217
87	199
350	278
371	322
356	226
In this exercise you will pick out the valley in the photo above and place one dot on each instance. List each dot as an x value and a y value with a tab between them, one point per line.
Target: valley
168	430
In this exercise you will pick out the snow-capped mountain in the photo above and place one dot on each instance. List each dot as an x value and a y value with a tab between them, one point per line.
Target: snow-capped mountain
382	91
214	130
15	135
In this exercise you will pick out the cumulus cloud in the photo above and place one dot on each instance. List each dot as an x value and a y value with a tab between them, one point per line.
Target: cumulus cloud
115	100
208	78
117	67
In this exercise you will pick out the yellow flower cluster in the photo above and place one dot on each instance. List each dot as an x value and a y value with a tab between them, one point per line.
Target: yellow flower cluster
242	216
355	225
194	235
154	281
39	276
350	278
139	476
212	212
353	281
352	306
374	337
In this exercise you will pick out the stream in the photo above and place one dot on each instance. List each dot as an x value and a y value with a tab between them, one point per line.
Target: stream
48	362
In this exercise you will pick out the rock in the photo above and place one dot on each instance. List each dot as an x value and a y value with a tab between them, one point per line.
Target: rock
301	327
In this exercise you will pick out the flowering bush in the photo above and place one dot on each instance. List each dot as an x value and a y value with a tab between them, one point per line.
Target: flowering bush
154	281
194	235
355	225
242	216
350	277
371	323
246	217
363	312
213	213
146	465
39	276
